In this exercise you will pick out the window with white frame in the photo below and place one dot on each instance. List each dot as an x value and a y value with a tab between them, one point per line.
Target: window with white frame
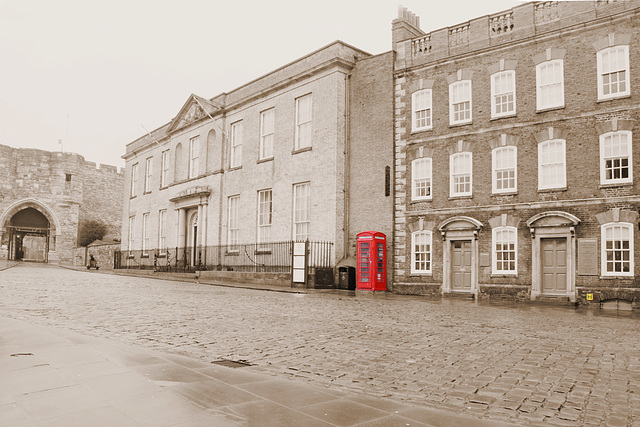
421	252
615	158
267	119
132	234
504	165
301	211
613	72
421	110
421	179
460	166
233	226
162	230
194	156
148	170
550	84
164	169
145	233
460	102
265	207
552	164
236	144
505	250
134	179
617	249
303	122
503	94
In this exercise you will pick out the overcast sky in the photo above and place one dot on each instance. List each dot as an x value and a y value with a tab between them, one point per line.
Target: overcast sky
96	74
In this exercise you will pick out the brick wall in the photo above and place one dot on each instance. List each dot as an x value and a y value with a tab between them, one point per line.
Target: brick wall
579	122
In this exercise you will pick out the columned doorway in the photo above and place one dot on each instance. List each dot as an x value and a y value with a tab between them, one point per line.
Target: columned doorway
460	254
553	260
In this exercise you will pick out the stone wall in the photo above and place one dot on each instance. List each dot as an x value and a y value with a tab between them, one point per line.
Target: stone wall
64	188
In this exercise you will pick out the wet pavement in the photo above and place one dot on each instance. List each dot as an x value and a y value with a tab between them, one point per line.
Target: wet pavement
523	364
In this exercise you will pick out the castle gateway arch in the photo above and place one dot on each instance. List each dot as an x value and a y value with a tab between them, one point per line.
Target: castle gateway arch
29	230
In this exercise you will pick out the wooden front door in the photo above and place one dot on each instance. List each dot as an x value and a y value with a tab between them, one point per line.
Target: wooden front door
461	266
554	266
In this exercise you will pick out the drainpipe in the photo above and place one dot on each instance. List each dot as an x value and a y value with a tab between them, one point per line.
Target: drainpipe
347	165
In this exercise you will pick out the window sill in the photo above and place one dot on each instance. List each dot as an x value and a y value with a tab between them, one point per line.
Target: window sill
545	109
162	255
415	131
144	256
627	277
132	197
235	168
163	188
130	256
611	98
268	159
416	274
301	150
616	184
506	116
262	252
551	190
146	192
457	125
414	201
506	193
503	275
461	197
232	253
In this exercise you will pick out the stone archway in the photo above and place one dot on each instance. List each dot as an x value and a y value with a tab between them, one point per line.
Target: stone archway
29	229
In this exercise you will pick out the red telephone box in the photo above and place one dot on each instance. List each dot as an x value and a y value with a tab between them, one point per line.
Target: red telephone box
372	261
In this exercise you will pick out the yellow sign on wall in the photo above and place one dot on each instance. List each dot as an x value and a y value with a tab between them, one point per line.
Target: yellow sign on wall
589	297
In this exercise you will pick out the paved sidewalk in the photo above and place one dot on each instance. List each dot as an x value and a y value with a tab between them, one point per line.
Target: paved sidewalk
54	377
191	278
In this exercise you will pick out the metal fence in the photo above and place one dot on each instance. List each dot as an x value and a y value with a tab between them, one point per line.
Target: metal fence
274	257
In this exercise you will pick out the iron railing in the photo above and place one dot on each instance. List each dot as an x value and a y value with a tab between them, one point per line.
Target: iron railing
273	257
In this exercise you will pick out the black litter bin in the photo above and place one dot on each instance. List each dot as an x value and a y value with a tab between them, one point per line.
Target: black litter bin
347	278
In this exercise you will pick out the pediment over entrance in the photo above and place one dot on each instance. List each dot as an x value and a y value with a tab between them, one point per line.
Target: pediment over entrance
553	219
194	109
192	193
460	223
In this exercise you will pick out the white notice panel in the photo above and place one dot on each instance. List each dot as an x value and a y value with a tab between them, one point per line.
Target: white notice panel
299	272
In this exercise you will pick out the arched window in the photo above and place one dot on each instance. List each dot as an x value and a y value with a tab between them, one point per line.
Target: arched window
505	250
421	244
421	179
505	167
613	72
460	102
615	158
460	168
552	165
617	249
550	84
421	110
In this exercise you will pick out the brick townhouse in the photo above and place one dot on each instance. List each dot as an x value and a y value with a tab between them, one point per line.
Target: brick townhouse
516	161
302	153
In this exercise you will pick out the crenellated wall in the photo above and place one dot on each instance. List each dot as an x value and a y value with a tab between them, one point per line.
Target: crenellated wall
65	188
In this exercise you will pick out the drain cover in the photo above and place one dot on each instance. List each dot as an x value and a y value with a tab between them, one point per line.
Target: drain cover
231	363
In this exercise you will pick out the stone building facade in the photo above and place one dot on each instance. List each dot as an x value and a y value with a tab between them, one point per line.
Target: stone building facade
275	160
516	165
46	196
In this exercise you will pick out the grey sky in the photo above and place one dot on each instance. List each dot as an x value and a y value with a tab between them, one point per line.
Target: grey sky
96	74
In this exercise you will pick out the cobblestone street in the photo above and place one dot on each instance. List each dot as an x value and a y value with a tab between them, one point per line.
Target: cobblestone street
525	364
